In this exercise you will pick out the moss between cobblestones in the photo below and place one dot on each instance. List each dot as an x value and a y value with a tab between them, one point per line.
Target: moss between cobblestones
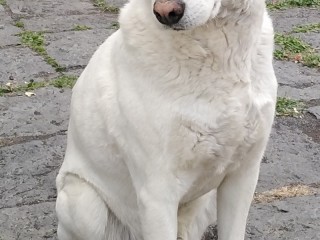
313	27
35	41
288	107
81	28
115	25
284	4
293	48
64	81
105	7
3	2
19	24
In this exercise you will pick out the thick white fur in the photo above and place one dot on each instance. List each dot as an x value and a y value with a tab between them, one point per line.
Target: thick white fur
168	126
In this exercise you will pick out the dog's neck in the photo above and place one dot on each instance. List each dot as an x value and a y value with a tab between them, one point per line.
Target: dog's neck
228	40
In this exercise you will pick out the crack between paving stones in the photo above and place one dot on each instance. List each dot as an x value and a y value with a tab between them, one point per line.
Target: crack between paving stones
36	202
10	141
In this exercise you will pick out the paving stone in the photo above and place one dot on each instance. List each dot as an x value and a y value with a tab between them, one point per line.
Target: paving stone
292	219
28	170
8	32
49	8
45	113
29	222
75	48
291	157
306	94
284	20
295	75
116	3
311	38
22	64
315	111
61	23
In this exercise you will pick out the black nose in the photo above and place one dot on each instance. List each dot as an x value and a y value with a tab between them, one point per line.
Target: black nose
169	12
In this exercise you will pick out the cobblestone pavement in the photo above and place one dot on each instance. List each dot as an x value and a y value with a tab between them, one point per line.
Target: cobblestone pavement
48	43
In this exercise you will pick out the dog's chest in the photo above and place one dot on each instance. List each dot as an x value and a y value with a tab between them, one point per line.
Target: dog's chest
207	141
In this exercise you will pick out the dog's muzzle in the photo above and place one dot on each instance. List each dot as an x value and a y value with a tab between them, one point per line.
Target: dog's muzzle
169	12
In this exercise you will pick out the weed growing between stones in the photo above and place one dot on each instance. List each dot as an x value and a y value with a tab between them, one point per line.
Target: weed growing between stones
81	28
105	7
35	41
293	48
3	2
19	24
314	27
288	107
284	4
115	25
64	81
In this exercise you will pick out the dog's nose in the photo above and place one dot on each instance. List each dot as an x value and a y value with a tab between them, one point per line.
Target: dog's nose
169	12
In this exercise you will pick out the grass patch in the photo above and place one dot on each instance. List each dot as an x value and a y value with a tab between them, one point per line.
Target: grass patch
282	193
81	28
19	24
293	48
288	107
115	25
3	2
63	81
284	4
35	41
314	27
105	7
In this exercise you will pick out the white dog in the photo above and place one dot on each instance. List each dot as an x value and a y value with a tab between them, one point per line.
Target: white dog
169	122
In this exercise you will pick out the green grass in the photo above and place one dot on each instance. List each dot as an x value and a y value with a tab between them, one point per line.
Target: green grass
3	2
288	107
36	41
284	4
293	48
63	81
105	7
81	28
313	27
115	25
19	24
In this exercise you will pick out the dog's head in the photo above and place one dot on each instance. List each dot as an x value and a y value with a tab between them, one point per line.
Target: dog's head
185	14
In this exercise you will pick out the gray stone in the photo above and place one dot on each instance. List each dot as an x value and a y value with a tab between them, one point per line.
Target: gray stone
306	94
315	111
22	64
116	3
285	20
8	32
45	113
291	157
8	35
30	8
75	48
270	222
36	221
29	168
310	38
295	75
65	23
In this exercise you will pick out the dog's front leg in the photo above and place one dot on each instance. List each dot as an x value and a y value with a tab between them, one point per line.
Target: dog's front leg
158	207
234	199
